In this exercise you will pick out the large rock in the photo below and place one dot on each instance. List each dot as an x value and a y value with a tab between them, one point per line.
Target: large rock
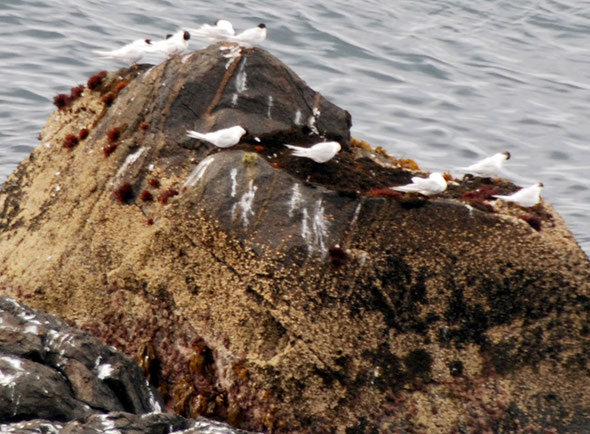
280	294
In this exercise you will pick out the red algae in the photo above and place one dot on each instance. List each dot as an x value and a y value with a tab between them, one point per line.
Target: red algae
83	133
109	98
484	192
113	135
109	149
76	92
70	141
124	193
96	80
167	194
146	196
385	192
120	86
153	182
62	101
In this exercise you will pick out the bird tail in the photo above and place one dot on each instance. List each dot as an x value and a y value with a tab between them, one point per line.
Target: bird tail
195	134
298	151
404	188
102	53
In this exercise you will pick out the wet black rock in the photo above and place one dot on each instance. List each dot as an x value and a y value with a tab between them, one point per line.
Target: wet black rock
49	370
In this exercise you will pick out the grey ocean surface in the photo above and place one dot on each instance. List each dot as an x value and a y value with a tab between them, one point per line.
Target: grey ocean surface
445	82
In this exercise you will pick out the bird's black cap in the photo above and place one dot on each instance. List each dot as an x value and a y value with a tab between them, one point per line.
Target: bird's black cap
147	41
168	36
262	25
187	35
507	154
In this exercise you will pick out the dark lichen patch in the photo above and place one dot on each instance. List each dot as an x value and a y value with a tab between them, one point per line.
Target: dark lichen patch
468	322
338	256
389	372
502	357
412	201
456	368
329	376
345	172
398	294
418	363
533	221
124	193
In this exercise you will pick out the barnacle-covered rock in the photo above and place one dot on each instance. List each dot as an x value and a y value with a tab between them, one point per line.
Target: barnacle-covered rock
281	294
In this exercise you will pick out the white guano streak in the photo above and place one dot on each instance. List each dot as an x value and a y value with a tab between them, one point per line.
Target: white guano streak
270	103
234	183
315	231
246	202
198	172
129	161
295	201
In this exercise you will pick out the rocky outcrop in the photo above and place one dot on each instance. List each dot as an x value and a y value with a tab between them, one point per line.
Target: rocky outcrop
55	378
280	294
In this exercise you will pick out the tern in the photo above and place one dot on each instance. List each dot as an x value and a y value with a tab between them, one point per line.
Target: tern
525	197
434	184
221	31
221	138
250	37
489	167
173	45
320	152
131	53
